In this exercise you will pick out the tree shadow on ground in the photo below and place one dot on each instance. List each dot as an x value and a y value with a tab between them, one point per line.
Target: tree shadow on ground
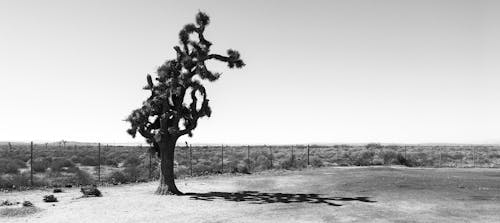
255	197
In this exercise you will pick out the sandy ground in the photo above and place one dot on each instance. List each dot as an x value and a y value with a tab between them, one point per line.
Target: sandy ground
368	194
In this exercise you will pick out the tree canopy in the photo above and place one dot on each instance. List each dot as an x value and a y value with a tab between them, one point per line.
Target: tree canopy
178	98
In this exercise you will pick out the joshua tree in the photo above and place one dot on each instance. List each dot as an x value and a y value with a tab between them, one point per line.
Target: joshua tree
178	98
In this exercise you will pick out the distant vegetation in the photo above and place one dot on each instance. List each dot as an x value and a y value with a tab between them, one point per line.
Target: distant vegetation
75	165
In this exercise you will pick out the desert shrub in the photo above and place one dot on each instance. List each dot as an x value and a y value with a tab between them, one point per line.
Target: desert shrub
239	166
494	156
205	167
373	146
263	162
117	177
290	163
317	162
286	164
40	166
10	166
75	159
4	183
377	161
389	157
81	178
20	180
243	168
363	158
132	161
419	159
111	162
181	170
133	173
61	164
403	161
89	161
20	162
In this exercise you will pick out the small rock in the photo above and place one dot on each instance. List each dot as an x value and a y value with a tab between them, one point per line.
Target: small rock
6	203
50	198
27	204
91	191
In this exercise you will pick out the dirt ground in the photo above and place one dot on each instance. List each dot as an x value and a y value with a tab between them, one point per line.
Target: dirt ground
338	194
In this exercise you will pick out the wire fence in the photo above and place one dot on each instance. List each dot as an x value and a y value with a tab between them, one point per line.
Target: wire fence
59	165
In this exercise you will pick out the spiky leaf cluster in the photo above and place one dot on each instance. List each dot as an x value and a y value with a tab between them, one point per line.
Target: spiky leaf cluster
166	114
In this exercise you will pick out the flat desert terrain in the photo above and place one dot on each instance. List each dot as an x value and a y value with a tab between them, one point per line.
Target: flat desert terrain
333	194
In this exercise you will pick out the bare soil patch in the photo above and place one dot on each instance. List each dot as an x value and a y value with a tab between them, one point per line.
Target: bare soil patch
338	194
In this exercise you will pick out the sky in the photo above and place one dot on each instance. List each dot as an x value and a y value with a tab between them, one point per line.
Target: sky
352	71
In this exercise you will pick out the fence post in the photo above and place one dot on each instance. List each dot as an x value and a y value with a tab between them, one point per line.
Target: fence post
308	155
31	165
462	160
337	154
405	152
248	153
150	164
46	144
99	164
190	161
474	156
271	153
292	158
440	156
222	157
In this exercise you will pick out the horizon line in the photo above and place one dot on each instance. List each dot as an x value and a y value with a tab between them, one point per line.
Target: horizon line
69	143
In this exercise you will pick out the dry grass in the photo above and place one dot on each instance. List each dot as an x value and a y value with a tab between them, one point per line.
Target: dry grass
18	211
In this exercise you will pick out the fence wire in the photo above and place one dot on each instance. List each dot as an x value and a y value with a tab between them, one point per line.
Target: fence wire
28	165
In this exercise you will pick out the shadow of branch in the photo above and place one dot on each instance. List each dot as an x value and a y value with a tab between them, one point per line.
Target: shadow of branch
256	197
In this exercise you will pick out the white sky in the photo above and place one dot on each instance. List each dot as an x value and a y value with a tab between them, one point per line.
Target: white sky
317	71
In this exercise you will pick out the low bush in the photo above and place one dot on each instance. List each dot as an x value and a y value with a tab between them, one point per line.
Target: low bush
82	178
117	177
133	173
10	166
363	158
263	162
239	167
132	161
389	157
111	162
20	180
290	163
41	165
15	181
89	161
403	161
61	164
317	162
494	156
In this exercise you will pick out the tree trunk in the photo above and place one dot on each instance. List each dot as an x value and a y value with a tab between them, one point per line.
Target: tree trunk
167	182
